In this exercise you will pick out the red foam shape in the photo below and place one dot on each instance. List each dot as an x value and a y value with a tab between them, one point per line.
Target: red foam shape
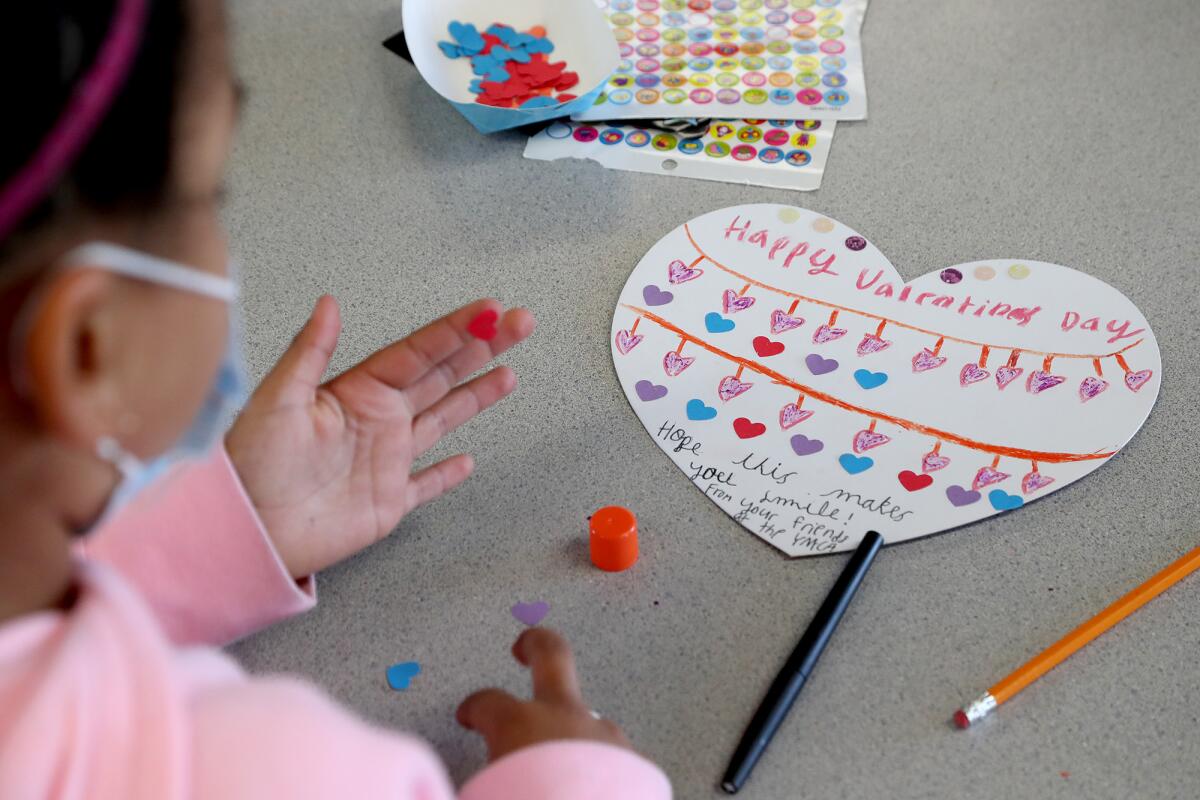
484	325
914	482
495	102
492	41
767	348
960	720
567	80
566	98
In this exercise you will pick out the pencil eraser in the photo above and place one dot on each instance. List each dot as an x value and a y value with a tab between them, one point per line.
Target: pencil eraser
960	720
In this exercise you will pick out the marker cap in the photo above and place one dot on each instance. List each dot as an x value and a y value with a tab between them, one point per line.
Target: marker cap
613	539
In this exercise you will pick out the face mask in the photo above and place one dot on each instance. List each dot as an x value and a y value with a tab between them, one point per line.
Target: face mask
224	399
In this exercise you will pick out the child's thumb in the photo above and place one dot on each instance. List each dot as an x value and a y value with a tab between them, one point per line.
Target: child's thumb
302	367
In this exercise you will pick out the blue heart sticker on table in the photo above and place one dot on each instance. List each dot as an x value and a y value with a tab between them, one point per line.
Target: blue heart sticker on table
870	380
399	675
717	324
698	412
1003	501
855	464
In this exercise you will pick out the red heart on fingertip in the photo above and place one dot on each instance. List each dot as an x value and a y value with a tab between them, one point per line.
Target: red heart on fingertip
484	325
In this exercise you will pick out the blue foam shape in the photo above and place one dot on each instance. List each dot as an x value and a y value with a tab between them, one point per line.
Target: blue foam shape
540	46
539	102
451	50
522	39
477	86
498	75
519	55
467	37
502	32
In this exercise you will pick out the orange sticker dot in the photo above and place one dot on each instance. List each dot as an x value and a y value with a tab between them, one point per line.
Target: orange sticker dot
822	225
984	273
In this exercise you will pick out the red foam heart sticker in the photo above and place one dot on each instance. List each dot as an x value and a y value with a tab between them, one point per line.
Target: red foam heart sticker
766	348
914	482
484	325
745	429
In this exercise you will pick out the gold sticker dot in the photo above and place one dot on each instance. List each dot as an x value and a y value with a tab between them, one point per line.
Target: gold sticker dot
789	215
822	225
985	273
1018	272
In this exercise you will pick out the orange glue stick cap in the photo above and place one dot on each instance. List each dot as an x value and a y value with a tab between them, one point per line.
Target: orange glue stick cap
613	538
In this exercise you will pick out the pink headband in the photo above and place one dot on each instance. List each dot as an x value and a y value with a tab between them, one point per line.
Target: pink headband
86	107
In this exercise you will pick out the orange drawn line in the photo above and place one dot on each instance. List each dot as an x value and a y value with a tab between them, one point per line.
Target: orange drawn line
937	348
682	342
879	330
1012	359
792	309
636	322
1099	369
1046	362
983	356
1121	361
909	425
706	257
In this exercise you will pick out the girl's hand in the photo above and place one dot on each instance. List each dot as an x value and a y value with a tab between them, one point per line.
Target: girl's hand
557	710
328	465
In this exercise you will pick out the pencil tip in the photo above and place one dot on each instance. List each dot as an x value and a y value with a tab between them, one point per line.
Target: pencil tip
961	720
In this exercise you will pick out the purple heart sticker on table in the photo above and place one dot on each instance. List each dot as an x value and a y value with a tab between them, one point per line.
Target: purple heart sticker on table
655	296
820	366
959	496
530	613
805	446
650	391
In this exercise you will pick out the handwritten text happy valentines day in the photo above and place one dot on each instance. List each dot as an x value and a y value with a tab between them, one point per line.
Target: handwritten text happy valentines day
820	262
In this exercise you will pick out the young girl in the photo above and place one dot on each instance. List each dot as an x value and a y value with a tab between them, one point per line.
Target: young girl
114	311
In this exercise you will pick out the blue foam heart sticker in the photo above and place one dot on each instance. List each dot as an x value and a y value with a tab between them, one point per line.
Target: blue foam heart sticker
870	380
855	464
717	324
400	675
1003	501
698	412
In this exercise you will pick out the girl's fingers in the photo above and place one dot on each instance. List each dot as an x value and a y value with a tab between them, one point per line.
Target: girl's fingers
432	482
460	406
551	665
487	711
511	329
302	366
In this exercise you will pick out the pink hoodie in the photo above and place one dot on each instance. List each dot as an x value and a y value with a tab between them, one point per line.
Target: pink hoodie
121	698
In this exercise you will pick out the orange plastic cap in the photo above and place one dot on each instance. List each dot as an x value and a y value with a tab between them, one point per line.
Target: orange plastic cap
614	539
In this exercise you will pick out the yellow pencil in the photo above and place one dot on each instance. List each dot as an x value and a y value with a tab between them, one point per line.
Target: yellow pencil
1058	652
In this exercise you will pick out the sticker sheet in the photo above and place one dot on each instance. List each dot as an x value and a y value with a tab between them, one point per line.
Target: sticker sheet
783	364
788	59
780	154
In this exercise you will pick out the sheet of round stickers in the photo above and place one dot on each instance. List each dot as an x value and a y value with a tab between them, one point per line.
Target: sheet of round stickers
787	59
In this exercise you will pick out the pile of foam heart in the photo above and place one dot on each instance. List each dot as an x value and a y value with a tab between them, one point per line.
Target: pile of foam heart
513	66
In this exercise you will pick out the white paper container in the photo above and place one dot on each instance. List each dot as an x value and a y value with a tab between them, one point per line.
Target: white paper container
578	29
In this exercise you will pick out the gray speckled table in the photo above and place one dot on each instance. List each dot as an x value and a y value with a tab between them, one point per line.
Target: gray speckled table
353	177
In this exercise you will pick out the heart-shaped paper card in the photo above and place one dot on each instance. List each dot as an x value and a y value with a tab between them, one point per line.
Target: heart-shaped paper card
780	361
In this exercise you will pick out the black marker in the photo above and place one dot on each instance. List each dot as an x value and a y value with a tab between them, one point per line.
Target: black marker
790	680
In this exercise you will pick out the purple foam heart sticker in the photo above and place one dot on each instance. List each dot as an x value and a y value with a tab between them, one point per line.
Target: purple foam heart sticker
820	366
531	613
655	296
650	391
959	496
804	446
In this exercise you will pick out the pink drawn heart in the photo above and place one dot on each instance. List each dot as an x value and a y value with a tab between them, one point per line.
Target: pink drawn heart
987	476
730	387
1034	481
1041	381
1089	387
972	373
865	440
1006	375
791	415
680	272
626	341
673	363
1136	380
872	344
926	360
732	302
932	462
824	334
782	322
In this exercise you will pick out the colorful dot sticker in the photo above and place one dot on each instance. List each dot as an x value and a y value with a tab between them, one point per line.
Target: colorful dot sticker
1018	272
793	54
823	225
789	215
856	243
984	273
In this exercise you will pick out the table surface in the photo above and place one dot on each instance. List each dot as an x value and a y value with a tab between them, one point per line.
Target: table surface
1057	131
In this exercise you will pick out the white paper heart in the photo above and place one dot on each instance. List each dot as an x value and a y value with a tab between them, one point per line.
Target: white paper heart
996	320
